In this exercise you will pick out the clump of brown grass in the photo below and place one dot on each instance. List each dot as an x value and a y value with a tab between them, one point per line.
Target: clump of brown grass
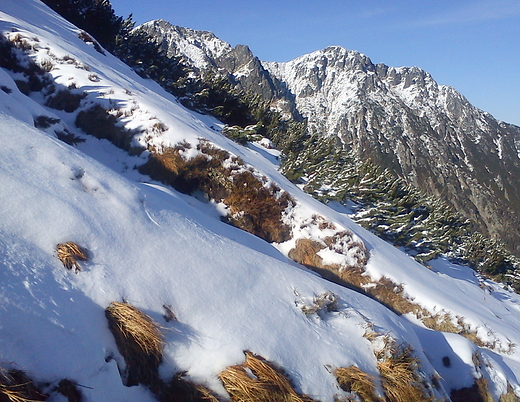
353	379
16	386
139	339
258	209
384	290
255	205
266	384
510	396
69	253
399	374
306	252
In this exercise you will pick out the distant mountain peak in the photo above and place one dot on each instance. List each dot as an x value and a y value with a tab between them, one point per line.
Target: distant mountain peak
198	47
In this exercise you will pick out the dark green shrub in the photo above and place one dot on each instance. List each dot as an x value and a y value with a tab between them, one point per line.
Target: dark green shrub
98	122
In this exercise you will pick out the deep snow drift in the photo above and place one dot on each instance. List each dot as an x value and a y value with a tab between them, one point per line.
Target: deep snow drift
154	247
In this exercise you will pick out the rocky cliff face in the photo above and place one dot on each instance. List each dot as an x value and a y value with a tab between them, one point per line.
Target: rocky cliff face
204	52
427	133
400	118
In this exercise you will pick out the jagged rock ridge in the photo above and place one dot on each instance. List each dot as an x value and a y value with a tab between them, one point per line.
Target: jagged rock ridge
204	52
400	118
427	133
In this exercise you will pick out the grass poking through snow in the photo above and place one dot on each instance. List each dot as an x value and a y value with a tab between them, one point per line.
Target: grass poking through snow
258	380
140	341
69	254
16	386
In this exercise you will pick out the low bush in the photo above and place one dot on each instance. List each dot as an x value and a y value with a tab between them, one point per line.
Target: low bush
65	100
97	121
13	57
44	122
67	137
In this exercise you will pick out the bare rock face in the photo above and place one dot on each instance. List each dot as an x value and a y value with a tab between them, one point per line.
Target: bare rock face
427	133
204	52
400	118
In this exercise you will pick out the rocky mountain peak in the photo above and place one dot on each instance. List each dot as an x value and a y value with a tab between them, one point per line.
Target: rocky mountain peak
399	117
198	48
205	52
428	134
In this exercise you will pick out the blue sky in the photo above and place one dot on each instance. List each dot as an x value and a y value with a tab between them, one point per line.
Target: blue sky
473	46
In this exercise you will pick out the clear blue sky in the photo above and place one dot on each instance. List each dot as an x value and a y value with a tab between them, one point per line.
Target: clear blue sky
473	46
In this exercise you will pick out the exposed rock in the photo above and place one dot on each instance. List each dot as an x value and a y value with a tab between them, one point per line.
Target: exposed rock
400	118
204	52
427	133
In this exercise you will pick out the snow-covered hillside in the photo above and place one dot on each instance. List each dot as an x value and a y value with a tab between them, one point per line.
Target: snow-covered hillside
166	252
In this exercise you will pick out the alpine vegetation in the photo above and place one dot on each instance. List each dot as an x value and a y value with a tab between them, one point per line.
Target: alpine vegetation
211	243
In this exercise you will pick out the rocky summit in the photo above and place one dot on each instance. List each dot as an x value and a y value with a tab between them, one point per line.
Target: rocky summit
400	118
428	134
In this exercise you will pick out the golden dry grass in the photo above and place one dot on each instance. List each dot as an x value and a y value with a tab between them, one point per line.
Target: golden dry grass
384	290
255	205
139	339
398	368
69	254
510	396
353	379
263	383
16	386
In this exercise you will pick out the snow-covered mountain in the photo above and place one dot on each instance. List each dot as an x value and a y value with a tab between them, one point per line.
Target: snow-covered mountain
427	133
204	52
213	290
400	118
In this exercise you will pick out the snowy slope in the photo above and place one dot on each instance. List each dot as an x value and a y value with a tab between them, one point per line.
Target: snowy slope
152	246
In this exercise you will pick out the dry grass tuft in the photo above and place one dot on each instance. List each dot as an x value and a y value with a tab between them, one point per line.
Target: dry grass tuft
69	253
258	380
139	339
16	386
353	379
399	374
510	396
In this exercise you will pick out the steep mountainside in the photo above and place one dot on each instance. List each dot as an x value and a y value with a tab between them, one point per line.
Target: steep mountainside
400	118
146	257
427	133
206	53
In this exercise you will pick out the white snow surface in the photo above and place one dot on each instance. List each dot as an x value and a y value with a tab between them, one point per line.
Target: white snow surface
152	246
